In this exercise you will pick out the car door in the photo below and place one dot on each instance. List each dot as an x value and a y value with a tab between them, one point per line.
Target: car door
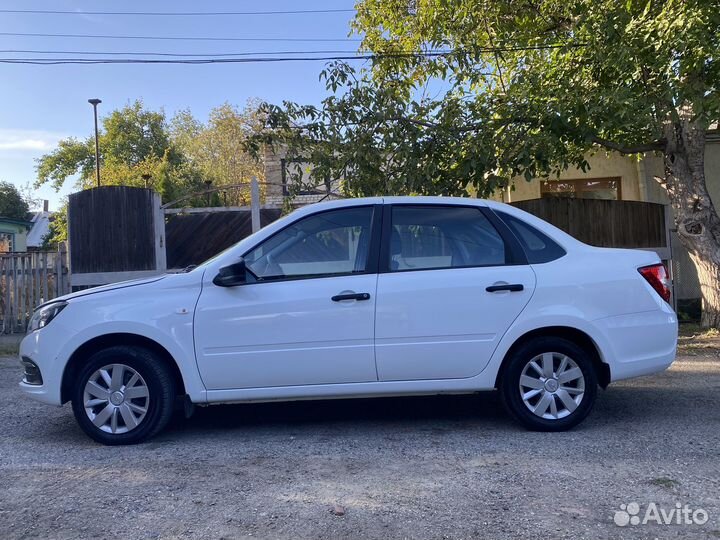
453	279
309	316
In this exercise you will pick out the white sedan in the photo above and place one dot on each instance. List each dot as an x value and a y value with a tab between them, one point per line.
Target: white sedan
361	298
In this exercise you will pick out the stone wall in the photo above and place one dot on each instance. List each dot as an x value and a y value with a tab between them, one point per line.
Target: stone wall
274	193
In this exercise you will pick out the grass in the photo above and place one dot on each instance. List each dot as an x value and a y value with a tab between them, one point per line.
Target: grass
693	337
688	330
664	482
8	350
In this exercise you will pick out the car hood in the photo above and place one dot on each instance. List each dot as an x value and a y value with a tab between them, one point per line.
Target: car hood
108	288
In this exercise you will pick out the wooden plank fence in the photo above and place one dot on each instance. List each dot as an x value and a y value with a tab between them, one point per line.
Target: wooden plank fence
604	223
26	281
115	233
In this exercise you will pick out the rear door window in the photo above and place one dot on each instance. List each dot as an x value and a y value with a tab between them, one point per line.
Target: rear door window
538	247
432	237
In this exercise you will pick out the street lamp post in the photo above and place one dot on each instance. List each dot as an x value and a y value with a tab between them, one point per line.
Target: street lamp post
95	102
208	183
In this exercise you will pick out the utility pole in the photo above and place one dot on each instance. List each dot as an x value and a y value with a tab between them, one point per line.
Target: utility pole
95	102
208	183
255	204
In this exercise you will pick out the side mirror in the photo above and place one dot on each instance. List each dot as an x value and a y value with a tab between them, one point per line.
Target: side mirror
232	275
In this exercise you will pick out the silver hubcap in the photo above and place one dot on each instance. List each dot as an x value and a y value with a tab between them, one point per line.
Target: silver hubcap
116	398
552	385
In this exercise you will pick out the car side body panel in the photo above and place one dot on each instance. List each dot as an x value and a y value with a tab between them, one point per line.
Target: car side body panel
290	332
444	324
159	310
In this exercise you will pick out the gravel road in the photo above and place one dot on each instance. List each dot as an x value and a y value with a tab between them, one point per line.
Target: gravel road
437	467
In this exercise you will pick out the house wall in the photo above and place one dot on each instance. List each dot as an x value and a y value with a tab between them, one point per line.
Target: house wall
637	176
19	232
274	195
273	177
712	170
602	165
653	166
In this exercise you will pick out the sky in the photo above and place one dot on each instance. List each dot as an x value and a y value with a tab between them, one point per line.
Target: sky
40	105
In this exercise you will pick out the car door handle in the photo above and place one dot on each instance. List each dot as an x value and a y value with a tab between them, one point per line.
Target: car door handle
515	287
351	296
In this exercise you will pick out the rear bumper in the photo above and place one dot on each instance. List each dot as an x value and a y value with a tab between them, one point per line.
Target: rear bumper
639	343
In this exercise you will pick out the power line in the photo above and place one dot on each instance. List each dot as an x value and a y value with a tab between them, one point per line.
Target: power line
179	38
273	53
92	61
230	58
175	14
179	55
259	59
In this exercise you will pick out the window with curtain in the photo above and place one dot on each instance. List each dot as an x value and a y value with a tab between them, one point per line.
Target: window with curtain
591	188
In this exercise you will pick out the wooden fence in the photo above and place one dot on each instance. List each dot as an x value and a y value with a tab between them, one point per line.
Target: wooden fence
623	224
115	233
26	281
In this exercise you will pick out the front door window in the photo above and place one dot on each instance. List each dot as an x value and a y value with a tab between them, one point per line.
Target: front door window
327	244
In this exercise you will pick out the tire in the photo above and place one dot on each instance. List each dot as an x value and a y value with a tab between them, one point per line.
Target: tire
539	404
123	395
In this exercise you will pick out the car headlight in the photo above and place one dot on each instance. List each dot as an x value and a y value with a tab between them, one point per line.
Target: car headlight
42	317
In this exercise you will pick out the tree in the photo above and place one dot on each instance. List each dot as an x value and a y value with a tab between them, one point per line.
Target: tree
58	229
218	149
475	92
135	144
31	198
12	203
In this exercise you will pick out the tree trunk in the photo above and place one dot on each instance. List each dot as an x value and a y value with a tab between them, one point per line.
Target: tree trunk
709	276
697	222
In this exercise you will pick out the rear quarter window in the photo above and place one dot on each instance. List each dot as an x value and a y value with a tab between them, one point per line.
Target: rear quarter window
539	247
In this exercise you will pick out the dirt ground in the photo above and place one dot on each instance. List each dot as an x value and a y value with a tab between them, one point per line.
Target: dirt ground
437	467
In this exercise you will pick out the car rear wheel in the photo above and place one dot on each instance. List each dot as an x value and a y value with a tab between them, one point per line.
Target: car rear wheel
123	395
549	384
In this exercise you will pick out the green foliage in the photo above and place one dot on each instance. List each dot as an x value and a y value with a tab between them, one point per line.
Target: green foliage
134	143
69	158
133	135
138	147
217	149
526	89
58	230
12	204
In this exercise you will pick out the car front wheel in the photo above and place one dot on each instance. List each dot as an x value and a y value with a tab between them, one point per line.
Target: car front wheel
123	395
549	384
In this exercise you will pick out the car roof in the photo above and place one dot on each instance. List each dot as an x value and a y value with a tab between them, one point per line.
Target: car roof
360	201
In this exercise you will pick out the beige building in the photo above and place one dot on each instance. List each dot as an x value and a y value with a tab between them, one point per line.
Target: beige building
614	176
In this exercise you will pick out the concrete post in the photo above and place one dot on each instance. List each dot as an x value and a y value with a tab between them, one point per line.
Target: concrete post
255	204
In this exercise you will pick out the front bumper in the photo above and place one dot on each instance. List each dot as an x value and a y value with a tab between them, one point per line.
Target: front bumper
32	375
41	348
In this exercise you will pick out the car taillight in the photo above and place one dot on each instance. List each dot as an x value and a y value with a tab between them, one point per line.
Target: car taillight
657	276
